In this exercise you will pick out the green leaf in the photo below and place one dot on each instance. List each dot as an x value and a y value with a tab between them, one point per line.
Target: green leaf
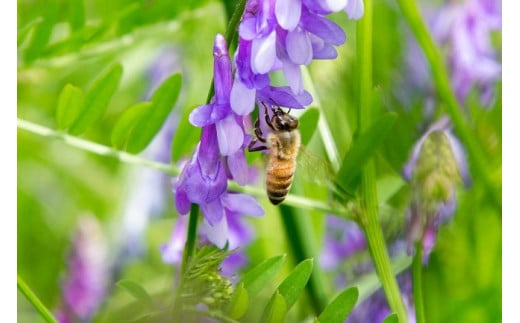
125	125
308	123
276	309
239	302
392	318
340	307
361	151
136	290
42	32
262	274
76	14
293	285
70	102
97	99
185	139
163	101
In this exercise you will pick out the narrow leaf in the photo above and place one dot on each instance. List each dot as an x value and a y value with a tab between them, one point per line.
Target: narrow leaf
163	101
125	126
70	102
275	310
185	139
340	307
239	302
262	274
308	123
42	32
97	99
293	285
136	290
392	318
362	149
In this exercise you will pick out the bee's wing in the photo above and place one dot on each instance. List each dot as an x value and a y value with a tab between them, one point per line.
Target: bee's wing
313	168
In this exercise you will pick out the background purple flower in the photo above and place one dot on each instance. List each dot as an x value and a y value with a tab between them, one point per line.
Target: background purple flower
86	283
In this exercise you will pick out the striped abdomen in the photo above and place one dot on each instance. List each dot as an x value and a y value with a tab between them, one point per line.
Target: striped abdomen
284	148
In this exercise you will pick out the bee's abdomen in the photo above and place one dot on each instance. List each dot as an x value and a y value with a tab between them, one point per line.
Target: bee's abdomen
280	174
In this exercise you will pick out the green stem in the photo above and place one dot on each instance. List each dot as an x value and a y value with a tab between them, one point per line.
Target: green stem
478	160
191	236
417	284
369	203
34	300
85	145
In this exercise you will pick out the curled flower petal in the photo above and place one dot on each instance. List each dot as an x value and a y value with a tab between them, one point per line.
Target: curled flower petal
213	211
238	167
293	75
334	5
230	136
323	28
242	98
299	47
216	232
208	114
243	204
288	13
263	53
355	9
182	202
247	28
283	96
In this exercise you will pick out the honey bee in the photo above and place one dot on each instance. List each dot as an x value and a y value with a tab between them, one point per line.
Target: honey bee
283	144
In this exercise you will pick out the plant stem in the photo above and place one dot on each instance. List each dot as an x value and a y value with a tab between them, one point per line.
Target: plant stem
417	284
34	300
89	146
191	236
442	83
369	202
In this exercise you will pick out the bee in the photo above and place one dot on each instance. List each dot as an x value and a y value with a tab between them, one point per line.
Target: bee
283	144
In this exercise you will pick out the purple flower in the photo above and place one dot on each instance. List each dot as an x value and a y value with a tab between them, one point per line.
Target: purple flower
283	35
343	239
376	309
436	166
86	283
231	229
466	28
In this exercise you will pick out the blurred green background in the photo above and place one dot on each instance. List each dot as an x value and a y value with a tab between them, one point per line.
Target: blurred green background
62	42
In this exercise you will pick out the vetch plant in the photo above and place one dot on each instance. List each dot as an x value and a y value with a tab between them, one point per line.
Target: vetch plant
209	246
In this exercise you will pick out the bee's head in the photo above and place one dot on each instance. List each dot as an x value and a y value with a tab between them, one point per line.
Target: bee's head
283	121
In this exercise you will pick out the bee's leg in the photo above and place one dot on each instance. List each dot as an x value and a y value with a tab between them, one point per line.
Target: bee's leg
258	137
267	119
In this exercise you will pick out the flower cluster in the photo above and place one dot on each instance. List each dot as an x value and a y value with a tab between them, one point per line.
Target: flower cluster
465	28
283	35
273	36
87	281
437	165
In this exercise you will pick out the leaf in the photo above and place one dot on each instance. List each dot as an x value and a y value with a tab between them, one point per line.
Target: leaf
42	32
308	123
340	307
76	14
239	302
275	310
136	290
293	285
262	274
97	99
163	101
392	318
70	102
186	137
361	151
125	125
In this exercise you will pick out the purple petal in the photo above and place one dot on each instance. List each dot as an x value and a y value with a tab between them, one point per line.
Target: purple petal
171	252
230	136
217	232
334	5
222	70
321	49
355	9
288	13
242	98
247	28
323	28
263	53
283	96
293	76
238	167
299	47
182	203
460	157
213	211
242	204
208	114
